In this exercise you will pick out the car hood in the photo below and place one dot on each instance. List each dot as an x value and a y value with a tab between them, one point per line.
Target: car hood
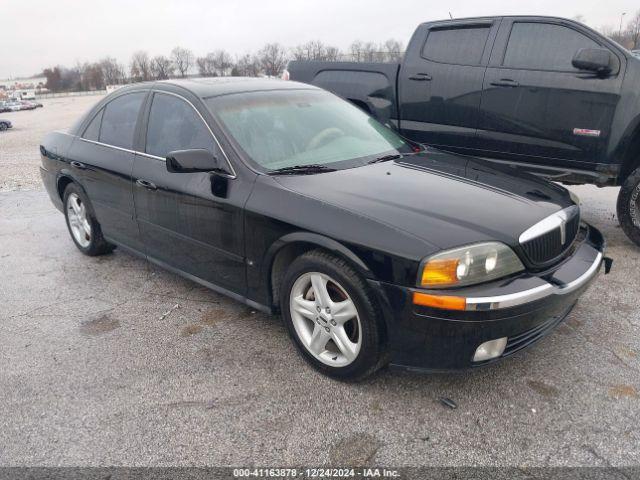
444	199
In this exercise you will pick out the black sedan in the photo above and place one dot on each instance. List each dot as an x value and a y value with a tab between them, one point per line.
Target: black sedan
285	197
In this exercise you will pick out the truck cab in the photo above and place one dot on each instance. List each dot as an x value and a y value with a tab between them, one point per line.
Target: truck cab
548	95
506	88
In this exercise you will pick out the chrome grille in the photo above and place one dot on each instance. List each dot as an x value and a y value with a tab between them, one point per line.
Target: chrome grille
549	239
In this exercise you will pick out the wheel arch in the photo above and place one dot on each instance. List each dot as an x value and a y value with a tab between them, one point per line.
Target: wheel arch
62	182
287	248
631	156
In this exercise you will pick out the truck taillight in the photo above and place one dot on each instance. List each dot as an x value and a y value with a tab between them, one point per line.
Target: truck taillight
285	75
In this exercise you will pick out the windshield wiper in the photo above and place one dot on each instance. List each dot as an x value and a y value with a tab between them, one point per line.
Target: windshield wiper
302	170
385	158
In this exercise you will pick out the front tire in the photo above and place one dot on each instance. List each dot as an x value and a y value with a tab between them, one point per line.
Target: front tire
3	127
83	227
332	317
629	206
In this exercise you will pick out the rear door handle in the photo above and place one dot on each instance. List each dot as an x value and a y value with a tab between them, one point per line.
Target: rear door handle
505	82
146	184
421	77
78	165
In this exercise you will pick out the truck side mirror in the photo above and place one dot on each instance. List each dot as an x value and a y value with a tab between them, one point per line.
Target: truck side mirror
596	60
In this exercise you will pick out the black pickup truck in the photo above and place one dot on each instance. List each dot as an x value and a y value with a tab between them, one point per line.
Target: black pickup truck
549	95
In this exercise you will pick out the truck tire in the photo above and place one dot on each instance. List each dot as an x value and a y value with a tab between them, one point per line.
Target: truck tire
629	207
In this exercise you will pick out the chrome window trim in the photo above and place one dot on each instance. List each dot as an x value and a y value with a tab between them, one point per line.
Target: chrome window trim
536	293
154	91
155	157
548	224
107	145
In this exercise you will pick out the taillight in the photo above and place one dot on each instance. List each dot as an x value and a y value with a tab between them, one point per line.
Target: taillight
285	74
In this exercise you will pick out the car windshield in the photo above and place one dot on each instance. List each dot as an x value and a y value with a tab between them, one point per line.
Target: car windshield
295	128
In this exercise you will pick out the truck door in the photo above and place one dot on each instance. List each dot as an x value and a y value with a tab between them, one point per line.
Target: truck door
536	107
440	82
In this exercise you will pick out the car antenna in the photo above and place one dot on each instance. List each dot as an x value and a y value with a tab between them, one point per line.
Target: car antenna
450	16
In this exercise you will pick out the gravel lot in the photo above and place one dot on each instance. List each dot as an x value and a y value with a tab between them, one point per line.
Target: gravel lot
111	361
19	155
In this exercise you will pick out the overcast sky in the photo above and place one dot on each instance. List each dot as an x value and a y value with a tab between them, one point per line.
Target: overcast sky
39	33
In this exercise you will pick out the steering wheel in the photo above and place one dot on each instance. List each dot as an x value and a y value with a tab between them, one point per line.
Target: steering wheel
323	137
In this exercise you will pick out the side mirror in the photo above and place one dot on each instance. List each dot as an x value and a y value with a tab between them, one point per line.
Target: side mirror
596	60
192	161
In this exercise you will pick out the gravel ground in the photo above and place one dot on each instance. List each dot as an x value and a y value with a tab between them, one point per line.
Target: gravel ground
112	361
19	155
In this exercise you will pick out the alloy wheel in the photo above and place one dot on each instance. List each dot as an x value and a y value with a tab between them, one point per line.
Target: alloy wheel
78	221
325	319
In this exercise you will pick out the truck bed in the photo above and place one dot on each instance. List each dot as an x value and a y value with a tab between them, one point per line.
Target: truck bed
371	86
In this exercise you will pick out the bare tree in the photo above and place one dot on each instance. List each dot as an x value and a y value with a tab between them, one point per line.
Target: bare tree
113	72
393	50
315	50
140	66
332	54
60	79
247	65
161	67
183	60
356	51
222	62
92	76
273	59
206	65
633	31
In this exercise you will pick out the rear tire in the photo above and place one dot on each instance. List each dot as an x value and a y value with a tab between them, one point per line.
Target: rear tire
629	207
339	331
3	127
83	227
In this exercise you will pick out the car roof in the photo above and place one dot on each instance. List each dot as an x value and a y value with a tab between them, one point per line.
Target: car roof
217	86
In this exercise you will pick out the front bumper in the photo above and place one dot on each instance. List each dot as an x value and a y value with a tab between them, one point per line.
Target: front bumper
523	309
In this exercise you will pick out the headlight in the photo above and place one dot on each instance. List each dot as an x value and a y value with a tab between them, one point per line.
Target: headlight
469	265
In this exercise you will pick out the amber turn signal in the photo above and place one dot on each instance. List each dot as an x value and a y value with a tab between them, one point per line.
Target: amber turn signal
440	272
445	302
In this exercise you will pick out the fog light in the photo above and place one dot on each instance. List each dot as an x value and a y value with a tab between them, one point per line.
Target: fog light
490	349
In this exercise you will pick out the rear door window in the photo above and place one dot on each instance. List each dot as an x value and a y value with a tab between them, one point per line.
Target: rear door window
92	132
175	125
459	46
119	120
544	46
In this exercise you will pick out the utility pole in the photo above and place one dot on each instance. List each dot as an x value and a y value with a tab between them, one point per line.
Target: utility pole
621	17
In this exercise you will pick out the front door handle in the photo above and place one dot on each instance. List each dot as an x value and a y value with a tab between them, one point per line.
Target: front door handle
146	184
505	82
78	165
421	77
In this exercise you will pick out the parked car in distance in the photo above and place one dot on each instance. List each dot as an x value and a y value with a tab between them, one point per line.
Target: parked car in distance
5	124
4	108
27	105
548	95
13	106
636	53
290	199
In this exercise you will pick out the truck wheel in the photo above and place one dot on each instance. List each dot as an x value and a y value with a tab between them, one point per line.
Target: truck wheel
629	207
3	126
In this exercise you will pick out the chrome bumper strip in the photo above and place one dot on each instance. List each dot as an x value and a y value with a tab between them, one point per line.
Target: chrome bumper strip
526	296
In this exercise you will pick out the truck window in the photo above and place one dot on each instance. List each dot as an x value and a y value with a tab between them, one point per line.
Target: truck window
459	46
544	46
